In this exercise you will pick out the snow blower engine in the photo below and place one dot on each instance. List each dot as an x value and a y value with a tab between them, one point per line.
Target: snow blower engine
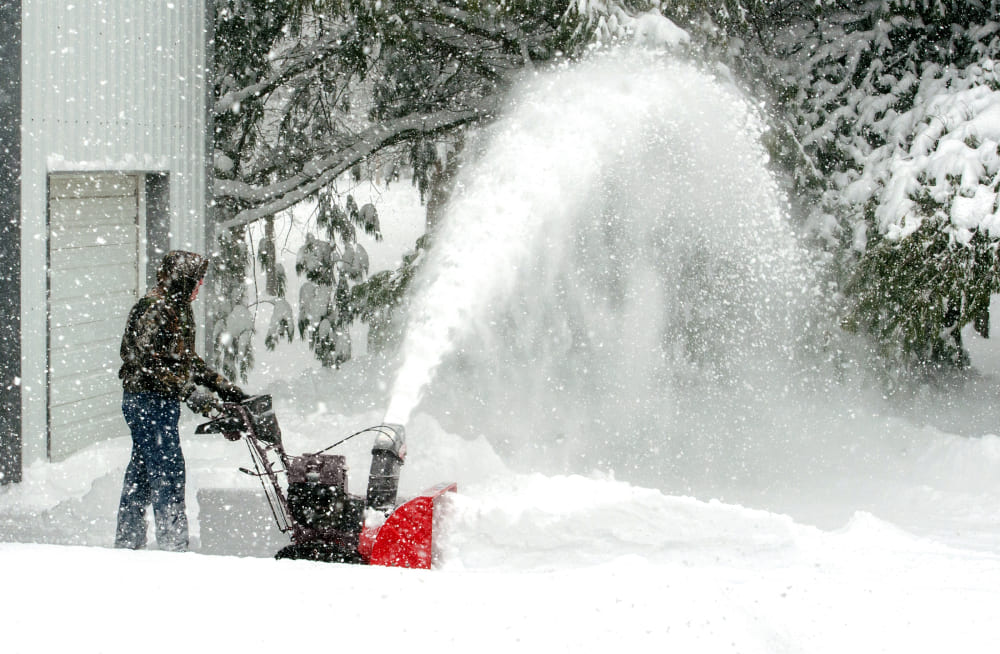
313	505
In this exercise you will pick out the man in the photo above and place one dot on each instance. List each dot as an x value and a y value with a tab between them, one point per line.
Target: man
160	369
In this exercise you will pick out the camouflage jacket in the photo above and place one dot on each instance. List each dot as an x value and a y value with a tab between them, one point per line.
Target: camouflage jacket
158	347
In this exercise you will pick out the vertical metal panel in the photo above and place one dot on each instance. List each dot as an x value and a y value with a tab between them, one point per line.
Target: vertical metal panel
10	241
208	29
115	85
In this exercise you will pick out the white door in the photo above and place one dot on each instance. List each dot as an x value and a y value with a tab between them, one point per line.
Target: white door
93	282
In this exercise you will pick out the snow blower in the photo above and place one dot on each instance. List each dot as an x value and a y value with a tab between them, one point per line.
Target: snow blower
313	505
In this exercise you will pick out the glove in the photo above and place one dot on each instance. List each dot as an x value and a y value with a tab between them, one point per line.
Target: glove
200	402
231	393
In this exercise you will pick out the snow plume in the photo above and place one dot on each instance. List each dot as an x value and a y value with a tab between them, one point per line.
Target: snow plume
614	275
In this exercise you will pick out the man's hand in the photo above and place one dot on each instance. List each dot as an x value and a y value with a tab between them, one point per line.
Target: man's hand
200	402
231	393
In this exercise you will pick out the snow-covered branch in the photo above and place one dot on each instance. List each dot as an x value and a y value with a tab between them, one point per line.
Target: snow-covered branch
281	195
300	62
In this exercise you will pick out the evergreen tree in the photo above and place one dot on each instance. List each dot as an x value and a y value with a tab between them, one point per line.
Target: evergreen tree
892	111
246	32
307	90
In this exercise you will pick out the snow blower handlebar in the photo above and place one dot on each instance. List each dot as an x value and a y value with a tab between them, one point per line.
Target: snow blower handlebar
253	415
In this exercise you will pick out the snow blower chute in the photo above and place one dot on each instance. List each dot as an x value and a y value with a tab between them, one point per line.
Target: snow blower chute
313	505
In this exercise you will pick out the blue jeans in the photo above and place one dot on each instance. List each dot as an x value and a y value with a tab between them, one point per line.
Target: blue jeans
155	474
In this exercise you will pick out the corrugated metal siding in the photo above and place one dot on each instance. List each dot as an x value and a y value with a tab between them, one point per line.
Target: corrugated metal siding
109	85
114	84
10	241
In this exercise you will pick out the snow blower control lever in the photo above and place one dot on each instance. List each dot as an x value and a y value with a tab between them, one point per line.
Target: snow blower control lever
312	504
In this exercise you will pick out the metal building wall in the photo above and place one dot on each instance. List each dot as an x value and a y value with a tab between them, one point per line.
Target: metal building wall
108	85
10	241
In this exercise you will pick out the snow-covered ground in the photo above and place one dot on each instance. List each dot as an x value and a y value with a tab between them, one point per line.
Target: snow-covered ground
860	527
532	562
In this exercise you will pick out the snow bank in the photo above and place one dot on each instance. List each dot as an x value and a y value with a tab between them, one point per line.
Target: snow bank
564	563
868	588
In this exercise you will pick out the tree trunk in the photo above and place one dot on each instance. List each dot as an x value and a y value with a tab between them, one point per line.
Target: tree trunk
271	261
442	184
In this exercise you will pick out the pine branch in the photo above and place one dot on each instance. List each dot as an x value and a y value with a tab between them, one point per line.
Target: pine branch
300	63
284	194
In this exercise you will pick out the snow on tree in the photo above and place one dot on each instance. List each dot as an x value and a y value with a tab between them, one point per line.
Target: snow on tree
883	112
282	320
307	91
331	269
896	107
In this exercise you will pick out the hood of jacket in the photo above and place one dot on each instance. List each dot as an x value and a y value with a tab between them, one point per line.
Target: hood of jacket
180	273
